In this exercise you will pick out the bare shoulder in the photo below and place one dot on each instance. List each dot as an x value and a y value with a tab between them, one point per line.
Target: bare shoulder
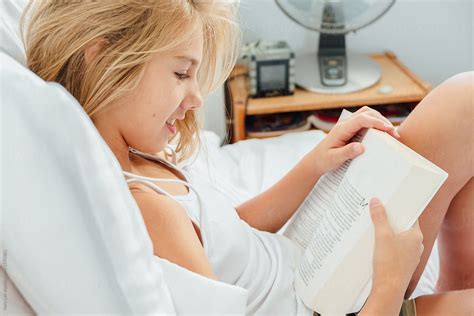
171	231
155	205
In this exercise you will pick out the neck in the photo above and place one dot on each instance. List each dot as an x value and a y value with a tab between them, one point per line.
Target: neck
120	150
118	145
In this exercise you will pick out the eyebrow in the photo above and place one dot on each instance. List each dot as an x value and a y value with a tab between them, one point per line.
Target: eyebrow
188	58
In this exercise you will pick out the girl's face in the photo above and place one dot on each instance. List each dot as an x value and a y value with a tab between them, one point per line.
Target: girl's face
145	117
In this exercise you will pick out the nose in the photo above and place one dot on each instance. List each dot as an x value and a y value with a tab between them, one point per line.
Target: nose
193	100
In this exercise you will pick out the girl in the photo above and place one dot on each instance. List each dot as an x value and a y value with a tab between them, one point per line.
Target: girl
140	69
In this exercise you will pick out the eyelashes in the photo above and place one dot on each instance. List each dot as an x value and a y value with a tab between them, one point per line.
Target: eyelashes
181	76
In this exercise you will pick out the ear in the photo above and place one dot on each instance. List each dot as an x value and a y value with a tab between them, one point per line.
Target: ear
92	48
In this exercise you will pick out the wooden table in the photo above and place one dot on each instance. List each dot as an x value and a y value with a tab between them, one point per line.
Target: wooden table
408	89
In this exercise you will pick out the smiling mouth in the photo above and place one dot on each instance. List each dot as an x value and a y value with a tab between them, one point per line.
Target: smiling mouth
170	126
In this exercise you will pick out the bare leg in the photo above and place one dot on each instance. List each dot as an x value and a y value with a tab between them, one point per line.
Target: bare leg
456	242
450	303
441	129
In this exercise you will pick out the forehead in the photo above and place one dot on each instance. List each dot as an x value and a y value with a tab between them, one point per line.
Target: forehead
187	58
191	50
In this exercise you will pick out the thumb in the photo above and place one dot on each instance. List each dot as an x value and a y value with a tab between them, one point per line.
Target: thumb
349	151
379	217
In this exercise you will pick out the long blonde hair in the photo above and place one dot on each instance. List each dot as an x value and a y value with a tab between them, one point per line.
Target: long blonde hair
56	32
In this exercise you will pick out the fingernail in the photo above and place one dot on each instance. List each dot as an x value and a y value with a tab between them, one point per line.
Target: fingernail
396	133
374	202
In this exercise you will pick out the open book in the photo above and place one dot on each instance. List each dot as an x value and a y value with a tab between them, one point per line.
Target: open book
333	227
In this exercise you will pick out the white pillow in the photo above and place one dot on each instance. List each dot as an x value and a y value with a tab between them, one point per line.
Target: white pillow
74	239
11	44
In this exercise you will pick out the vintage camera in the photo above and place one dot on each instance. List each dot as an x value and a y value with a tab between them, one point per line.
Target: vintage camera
271	68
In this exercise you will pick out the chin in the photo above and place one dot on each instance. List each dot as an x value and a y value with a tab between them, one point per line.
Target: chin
160	145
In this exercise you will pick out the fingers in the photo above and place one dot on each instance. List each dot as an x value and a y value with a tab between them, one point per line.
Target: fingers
376	114
379	218
369	111
349	151
349	128
415	231
416	236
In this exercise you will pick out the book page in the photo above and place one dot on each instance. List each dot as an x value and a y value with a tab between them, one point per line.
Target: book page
317	203
345	209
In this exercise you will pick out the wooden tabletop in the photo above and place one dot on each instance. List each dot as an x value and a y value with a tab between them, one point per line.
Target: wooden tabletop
407	87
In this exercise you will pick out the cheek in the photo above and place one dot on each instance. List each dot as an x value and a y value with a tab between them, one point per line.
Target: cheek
157	120
156	103
162	104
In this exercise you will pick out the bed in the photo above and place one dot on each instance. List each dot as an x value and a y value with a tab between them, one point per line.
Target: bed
73	239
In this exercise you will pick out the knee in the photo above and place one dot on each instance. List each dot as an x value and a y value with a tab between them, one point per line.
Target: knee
461	78
455	97
459	88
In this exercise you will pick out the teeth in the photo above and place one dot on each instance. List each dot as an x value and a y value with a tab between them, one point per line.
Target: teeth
171	121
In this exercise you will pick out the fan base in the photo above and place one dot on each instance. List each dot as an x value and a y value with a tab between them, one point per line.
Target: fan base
362	73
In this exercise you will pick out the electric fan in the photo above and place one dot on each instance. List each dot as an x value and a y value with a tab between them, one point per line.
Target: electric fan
333	69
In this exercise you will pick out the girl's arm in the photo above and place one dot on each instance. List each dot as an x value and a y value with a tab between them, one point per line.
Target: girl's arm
270	210
172	233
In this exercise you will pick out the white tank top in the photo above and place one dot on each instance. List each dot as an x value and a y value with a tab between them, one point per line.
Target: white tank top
260	262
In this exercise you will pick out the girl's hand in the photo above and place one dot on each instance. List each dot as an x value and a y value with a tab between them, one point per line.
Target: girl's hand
395	258
334	149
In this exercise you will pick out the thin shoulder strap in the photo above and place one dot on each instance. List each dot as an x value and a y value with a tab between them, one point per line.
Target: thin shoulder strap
149	179
153	186
168	151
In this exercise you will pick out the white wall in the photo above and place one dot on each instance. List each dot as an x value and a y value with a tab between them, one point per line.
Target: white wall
434	38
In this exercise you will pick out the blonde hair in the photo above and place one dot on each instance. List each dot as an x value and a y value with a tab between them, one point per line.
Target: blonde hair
57	32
